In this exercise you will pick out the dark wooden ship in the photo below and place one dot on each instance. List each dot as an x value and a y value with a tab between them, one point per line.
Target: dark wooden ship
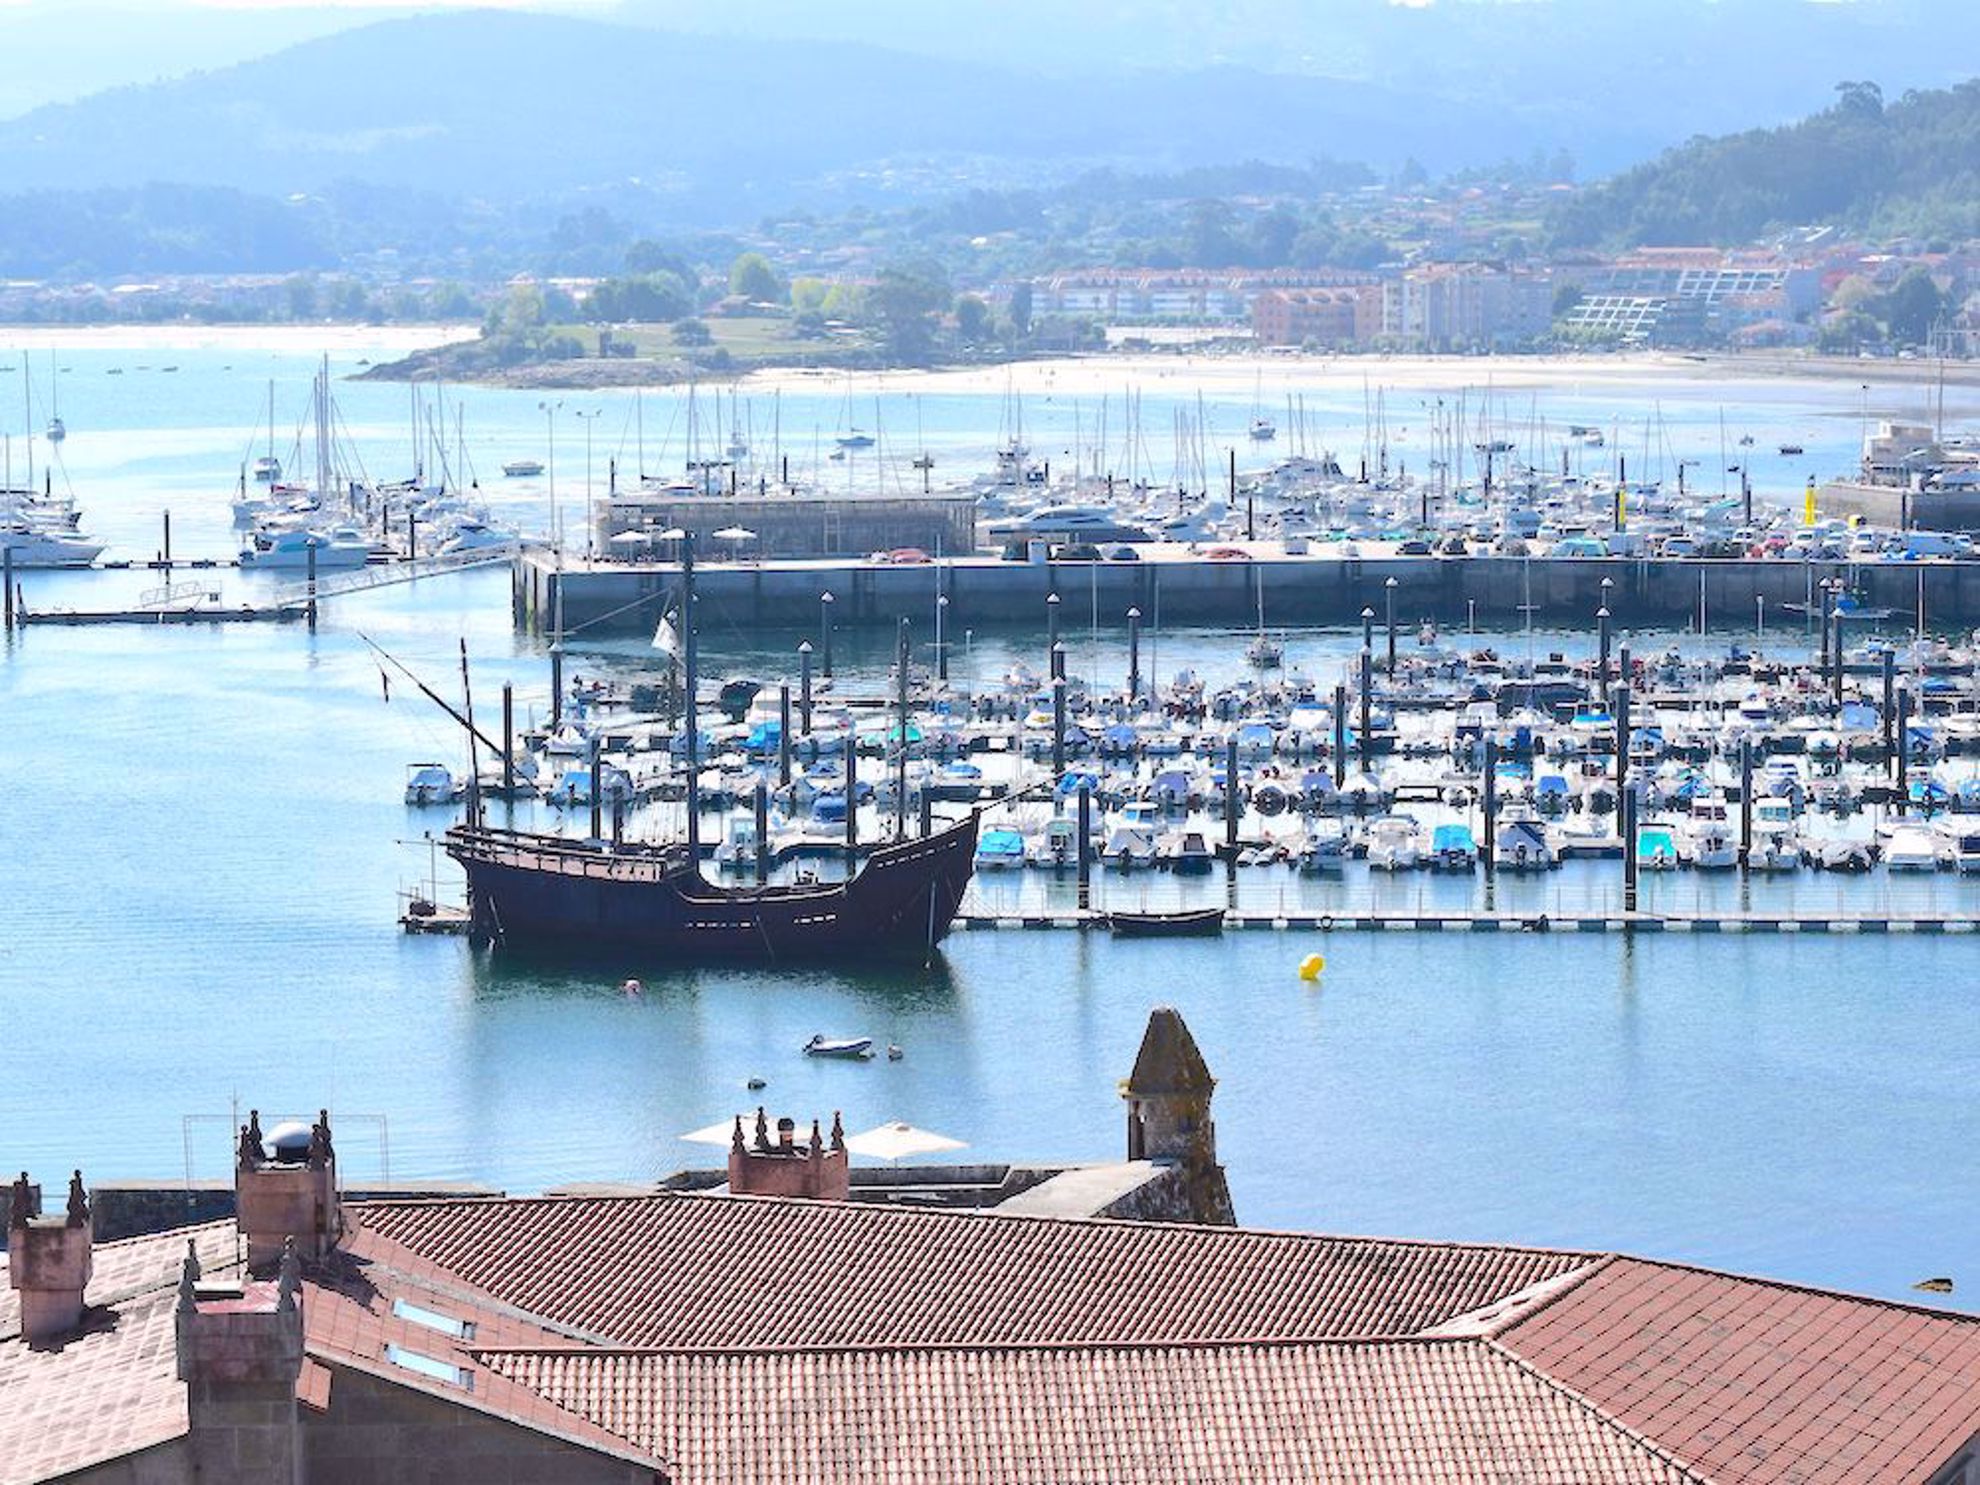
548	891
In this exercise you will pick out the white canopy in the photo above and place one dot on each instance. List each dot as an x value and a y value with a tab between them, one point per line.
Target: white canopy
715	1134
897	1139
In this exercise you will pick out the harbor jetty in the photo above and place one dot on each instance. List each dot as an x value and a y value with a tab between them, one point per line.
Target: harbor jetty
1173	584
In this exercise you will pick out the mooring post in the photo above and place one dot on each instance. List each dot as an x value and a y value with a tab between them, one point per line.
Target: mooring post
1628	812
762	832
1231	802
1340	734
852	797
7	582
784	735
1903	748
556	683
1367	702
1085	845
597	791
927	814
168	541
1745	803
1051	628
1490	794
1890	713
1389	600
1058	732
311	560
1602	653
1622	743
804	686
825	625
412	536
508	740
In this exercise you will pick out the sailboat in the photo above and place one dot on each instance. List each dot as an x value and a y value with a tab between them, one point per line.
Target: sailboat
57	429
268	469
1265	652
1263	429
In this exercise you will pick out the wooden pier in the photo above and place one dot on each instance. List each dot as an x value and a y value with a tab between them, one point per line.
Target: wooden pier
1483	922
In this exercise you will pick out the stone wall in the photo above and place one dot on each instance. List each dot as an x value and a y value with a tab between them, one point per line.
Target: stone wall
169	1463
377	1432
1174	1195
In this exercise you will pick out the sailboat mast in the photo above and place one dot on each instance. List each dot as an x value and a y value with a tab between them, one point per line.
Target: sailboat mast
690	681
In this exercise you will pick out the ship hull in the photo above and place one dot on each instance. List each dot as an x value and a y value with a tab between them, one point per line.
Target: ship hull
551	894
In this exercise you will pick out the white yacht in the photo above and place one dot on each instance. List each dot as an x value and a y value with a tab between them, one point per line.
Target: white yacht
1911	848
1395	843
290	550
1709	842
31	546
476	536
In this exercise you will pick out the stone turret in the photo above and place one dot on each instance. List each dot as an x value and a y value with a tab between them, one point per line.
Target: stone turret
765	1166
49	1260
1168	1099
240	1351
286	1187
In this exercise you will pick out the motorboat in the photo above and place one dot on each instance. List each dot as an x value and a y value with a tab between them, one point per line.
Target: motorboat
1185	852
1452	848
1128	847
1964	843
431	783
1321	853
1188	923
855	1048
1656	848
1846	856
291	550
523	469
1000	849
1057	847
1777	848
1709	844
1911	848
736	851
1395	843
267	470
1521	842
27	545
476	536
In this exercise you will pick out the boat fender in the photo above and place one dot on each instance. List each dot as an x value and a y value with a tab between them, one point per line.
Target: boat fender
632	987
1327	921
1311	967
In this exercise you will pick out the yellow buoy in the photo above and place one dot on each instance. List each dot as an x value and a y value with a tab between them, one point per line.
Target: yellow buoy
1311	965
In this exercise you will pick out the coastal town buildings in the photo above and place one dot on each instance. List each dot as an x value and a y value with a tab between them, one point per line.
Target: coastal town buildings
1106	1323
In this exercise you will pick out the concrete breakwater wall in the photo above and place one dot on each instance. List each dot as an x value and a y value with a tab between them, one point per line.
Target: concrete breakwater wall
1492	592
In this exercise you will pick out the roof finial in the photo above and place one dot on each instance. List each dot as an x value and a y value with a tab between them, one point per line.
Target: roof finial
250	1152
23	1202
188	1281
838	1132
762	1129
289	1277
78	1202
320	1152
737	1144
817	1141
192	1258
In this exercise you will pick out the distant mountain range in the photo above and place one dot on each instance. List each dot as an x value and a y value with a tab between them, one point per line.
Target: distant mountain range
502	105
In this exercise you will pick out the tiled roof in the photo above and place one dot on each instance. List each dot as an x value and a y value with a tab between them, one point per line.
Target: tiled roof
113	1389
1747	1381
737	1272
1435	1412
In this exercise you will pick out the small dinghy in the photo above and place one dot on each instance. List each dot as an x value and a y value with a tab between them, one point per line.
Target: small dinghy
844	1046
1194	923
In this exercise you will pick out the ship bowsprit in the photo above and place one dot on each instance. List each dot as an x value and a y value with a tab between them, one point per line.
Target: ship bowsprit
556	894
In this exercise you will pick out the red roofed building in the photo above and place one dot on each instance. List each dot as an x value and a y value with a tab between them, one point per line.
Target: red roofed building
753	1340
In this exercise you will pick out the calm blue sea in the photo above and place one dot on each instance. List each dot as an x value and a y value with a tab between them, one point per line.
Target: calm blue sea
203	845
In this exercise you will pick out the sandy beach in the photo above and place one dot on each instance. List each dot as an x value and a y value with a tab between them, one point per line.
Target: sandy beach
397	340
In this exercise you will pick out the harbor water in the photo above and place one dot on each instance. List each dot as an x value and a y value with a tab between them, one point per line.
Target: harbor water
205	845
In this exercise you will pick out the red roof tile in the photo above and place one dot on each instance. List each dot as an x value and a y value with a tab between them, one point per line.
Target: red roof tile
1433	1412
729	1272
1748	1381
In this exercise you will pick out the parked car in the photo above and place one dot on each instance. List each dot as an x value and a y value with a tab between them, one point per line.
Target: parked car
1455	546
1076	551
1414	547
903	557
1121	552
1227	554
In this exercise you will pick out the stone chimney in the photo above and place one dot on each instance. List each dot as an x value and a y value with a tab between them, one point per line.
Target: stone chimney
286	1188
782	1167
48	1261
240	1350
1168	1099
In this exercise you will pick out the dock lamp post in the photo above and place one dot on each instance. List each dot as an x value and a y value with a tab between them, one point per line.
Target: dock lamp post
1134	655
549	411
941	649
1052	626
1367	628
1602	654
589	418
1389	595
1837	587
825	628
